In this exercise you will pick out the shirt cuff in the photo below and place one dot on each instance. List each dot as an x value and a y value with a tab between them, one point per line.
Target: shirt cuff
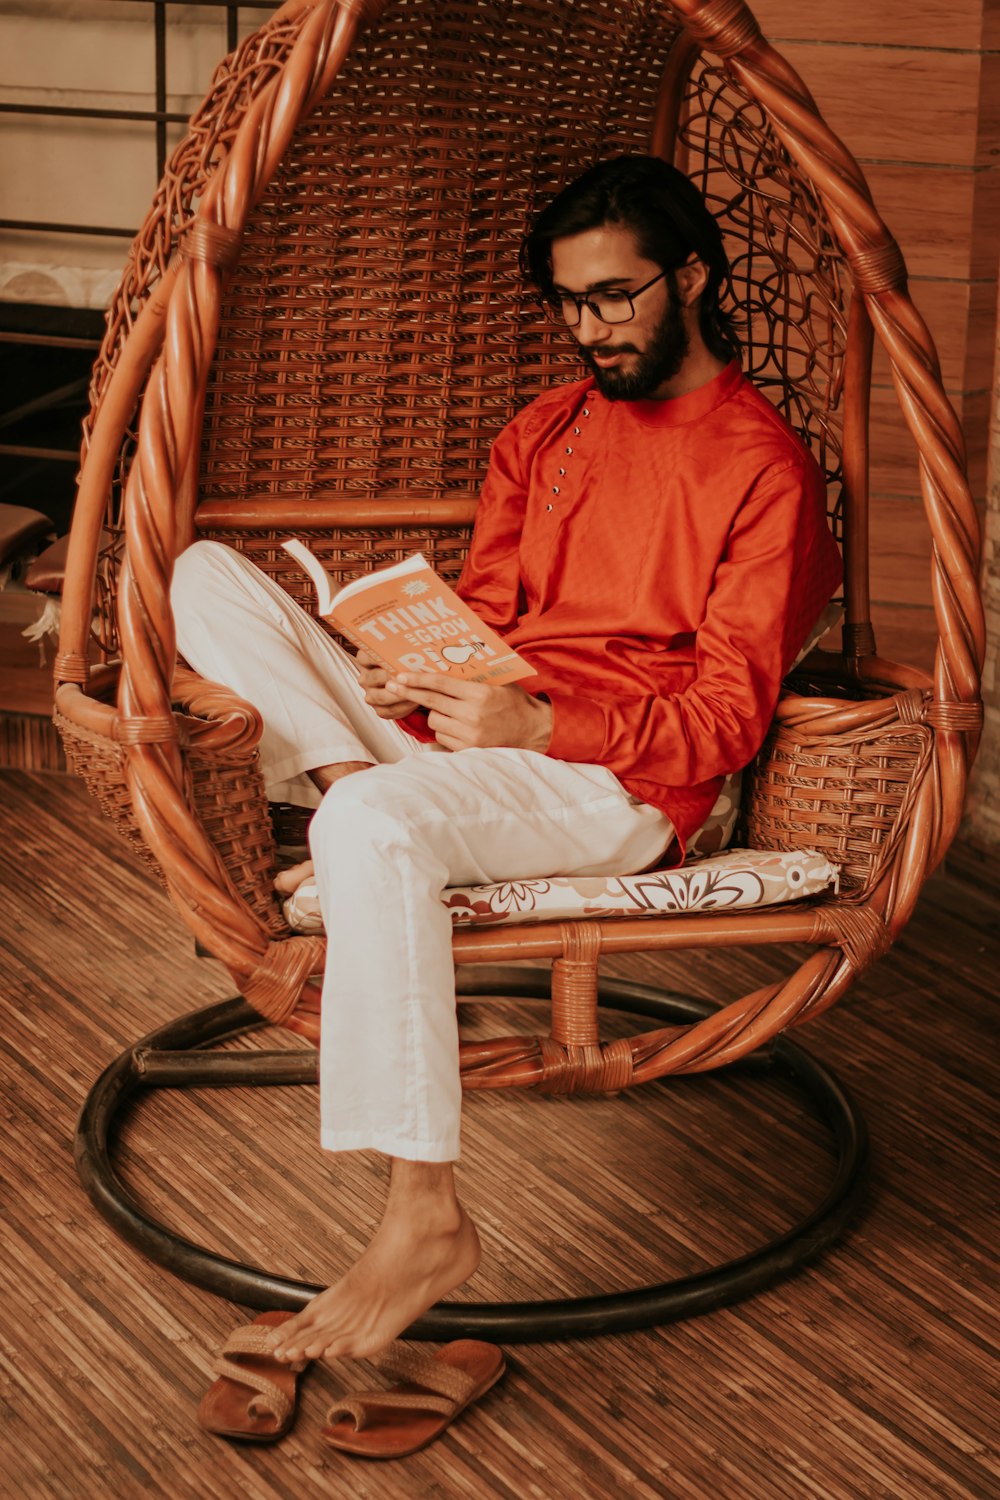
578	729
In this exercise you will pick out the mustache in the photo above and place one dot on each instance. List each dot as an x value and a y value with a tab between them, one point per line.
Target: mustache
608	349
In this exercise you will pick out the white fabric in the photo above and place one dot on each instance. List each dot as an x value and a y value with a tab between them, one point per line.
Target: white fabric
387	842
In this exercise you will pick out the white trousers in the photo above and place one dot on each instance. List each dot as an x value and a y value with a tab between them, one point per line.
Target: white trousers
387	842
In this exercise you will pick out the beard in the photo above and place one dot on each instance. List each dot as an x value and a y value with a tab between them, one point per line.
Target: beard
662	360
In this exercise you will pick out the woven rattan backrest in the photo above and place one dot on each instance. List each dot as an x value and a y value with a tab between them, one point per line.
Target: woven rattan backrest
376	334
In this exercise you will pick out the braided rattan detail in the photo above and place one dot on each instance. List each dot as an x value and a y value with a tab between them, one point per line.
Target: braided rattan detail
860	932
574	986
911	707
726	27
585	1070
956	718
366	11
213	244
859	639
70	666
916	374
880	269
274	986
158	487
153	731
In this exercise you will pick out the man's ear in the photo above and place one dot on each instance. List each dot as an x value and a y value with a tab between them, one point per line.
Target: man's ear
692	278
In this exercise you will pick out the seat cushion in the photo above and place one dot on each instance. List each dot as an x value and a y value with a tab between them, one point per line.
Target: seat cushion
737	879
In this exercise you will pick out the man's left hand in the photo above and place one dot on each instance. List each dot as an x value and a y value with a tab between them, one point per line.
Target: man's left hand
462	715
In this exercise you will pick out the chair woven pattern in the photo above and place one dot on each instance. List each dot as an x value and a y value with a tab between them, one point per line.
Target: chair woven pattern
228	797
787	274
846	795
346	553
376	336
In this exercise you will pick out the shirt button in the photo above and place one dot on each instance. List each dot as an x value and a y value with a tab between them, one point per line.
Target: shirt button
562	473
555	489
577	431
586	411
548	507
569	450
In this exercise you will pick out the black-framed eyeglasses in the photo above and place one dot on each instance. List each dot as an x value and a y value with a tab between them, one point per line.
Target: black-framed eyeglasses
612	306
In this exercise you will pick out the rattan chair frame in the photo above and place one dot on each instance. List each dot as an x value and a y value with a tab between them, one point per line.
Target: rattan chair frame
867	759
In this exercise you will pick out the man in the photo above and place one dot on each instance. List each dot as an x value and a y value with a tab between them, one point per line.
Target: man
653	540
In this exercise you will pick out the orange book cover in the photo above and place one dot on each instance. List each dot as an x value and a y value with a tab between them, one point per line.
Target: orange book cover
411	621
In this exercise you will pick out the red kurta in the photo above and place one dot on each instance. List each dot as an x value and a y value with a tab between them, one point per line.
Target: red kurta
660	563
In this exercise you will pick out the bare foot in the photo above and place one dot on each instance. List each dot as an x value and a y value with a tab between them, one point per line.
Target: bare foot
325	776
408	1266
288	881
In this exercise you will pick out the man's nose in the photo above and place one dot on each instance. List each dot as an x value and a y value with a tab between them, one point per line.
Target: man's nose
590	329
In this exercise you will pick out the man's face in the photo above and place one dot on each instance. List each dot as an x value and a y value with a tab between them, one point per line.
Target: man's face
634	360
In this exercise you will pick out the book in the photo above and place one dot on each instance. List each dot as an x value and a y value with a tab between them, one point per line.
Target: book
411	621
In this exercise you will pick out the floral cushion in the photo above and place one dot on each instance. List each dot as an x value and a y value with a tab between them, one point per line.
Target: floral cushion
723	882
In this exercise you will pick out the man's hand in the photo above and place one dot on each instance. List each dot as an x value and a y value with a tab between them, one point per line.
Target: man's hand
386	703
464	714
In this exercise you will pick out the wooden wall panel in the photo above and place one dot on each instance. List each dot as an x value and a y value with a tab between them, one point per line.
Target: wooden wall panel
985	222
905	633
896	103
900	552
917	23
930	209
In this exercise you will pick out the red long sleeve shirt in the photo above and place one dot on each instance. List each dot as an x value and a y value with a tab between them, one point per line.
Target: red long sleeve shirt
660	564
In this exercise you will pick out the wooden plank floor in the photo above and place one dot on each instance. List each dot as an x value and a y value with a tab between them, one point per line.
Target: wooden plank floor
868	1375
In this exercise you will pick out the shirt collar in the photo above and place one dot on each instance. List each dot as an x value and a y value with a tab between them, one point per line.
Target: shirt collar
678	410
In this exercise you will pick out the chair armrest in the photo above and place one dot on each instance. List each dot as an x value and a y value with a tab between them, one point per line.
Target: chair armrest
212	720
215	718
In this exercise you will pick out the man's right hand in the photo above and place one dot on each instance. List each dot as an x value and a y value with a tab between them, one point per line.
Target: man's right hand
387	705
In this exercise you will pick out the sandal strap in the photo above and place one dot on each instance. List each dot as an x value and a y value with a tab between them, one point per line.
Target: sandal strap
400	1362
369	1404
260	1343
268	1399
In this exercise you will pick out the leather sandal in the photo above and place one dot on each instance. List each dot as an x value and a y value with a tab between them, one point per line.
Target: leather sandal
432	1390
253	1398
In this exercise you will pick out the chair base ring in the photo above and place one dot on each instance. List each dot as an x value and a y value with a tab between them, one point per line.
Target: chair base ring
174	1056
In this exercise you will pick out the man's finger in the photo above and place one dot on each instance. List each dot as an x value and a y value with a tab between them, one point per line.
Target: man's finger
381	694
449	742
453	708
451	687
448	732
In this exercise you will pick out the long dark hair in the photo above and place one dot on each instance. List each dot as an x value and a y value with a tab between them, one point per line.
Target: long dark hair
669	218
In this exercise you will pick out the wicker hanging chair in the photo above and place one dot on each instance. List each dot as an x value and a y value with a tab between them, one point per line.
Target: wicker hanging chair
320	329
